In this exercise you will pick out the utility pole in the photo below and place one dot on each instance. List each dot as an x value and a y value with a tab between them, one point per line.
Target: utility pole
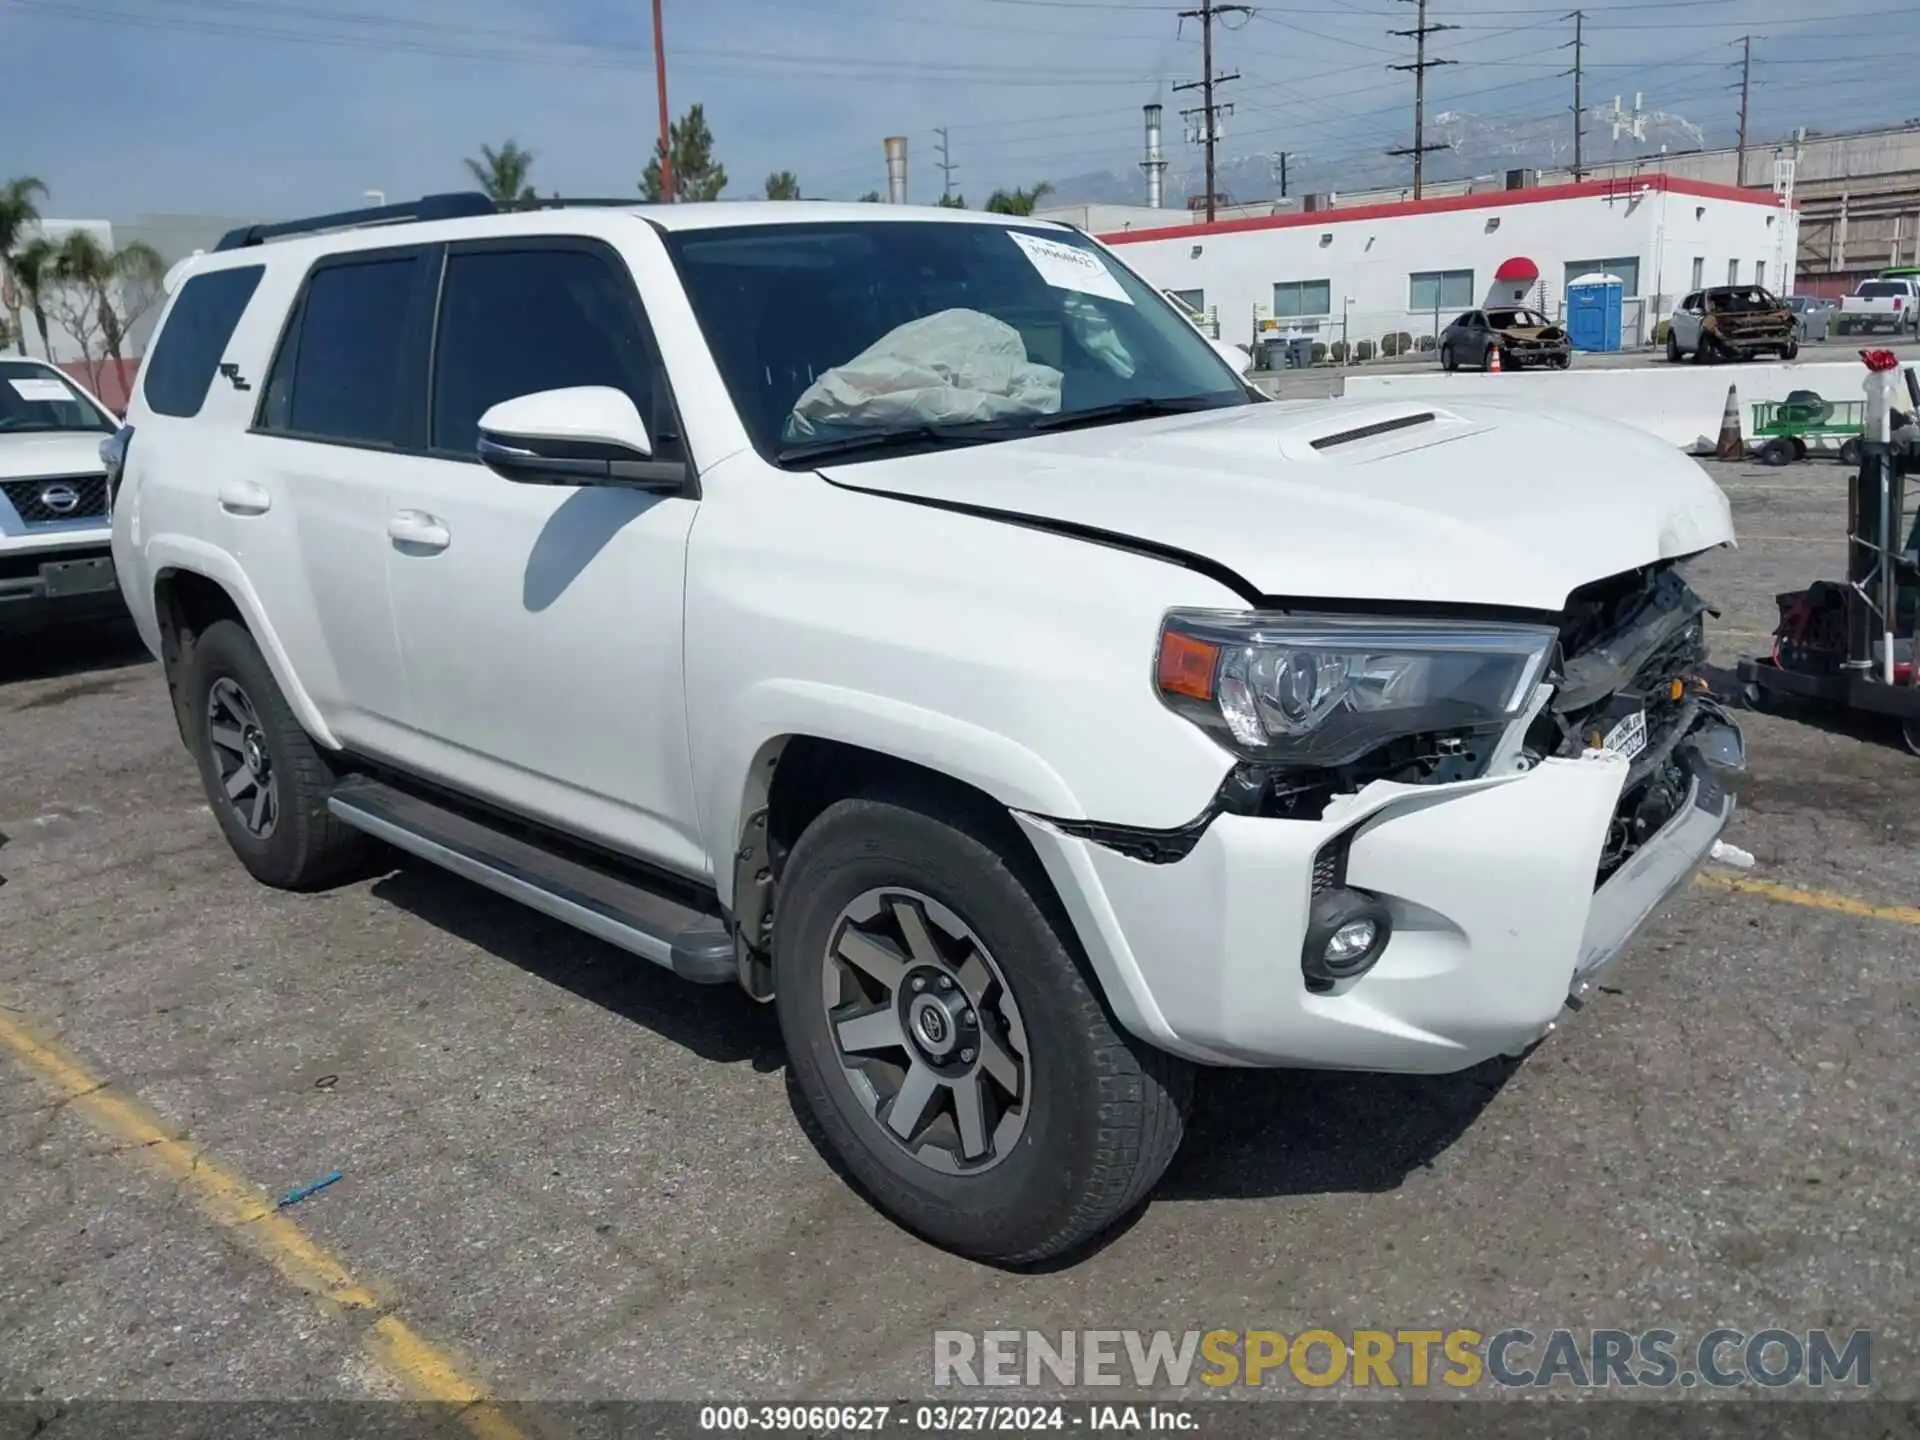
1578	45
1280	171
1419	67
947	167
666	131
1746	90
1210	114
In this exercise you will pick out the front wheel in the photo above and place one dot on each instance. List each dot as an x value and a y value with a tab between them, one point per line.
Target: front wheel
1563	362
1673	349
1447	362
953	1051
267	783
1790	350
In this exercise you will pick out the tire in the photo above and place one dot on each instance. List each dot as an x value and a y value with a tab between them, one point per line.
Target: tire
1101	1113
1790	350
1752	697
1447	362
1563	362
1673	348
289	839
1850	451
1777	451
1910	736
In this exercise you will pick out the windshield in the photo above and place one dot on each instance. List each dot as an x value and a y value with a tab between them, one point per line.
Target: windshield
37	397
940	332
1507	319
1750	298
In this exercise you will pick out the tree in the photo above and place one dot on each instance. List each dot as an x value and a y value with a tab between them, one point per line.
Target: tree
19	213
872	197
504	174
1019	202
783	185
33	269
952	202
104	292
695	174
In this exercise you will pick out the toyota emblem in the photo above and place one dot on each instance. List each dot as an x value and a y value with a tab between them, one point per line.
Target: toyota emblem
61	499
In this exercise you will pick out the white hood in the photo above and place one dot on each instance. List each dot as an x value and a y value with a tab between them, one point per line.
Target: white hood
33	454
1483	503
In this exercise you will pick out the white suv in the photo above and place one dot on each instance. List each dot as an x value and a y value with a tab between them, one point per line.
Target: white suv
55	560
905	615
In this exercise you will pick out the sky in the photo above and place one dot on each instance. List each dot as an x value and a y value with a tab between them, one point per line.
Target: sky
286	107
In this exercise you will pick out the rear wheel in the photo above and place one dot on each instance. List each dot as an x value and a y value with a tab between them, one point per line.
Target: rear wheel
1673	348
1777	451
957	1058
1850	451
266	781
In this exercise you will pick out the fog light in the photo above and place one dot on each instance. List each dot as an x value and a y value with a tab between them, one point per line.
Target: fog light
1347	932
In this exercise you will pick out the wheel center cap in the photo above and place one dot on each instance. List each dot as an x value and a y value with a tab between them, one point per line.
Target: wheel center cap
255	753
934	1027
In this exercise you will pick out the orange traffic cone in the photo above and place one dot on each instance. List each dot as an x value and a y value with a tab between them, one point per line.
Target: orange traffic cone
1493	360
1730	445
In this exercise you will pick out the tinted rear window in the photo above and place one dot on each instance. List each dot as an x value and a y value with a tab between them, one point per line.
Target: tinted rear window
195	337
341	370
1880	289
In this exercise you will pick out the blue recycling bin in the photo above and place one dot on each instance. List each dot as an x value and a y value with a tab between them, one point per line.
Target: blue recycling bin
1593	313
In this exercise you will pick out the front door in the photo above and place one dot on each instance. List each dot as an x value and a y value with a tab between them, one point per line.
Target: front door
540	625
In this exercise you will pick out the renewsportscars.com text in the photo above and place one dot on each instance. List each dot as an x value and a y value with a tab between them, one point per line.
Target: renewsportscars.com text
1461	1358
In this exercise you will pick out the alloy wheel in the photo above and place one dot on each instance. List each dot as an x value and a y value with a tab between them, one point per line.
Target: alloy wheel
238	744
926	1031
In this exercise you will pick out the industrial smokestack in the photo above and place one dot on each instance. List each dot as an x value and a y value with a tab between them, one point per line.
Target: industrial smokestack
896	169
1154	164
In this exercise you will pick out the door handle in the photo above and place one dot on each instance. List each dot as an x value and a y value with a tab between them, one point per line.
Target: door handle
244	497
419	529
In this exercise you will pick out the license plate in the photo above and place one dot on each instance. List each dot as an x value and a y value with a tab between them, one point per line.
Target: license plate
1629	737
76	577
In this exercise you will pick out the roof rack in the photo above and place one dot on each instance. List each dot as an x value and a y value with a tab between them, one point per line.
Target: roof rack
455	205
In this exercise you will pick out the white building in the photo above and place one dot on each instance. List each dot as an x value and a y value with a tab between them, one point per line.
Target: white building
1378	273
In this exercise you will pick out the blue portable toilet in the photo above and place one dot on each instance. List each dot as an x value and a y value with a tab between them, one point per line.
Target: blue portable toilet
1593	312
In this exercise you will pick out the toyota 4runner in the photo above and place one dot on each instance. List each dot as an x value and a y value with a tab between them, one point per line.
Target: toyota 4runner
907	616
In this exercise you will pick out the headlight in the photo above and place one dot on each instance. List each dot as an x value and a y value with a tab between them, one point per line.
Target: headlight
1325	690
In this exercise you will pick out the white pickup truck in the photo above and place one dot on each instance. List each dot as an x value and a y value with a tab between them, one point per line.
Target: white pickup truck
1875	305
906	616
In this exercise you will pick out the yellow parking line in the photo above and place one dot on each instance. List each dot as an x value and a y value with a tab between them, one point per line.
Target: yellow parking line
250	1217
1810	899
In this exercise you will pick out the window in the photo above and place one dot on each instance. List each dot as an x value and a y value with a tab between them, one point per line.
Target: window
1733	272
1439	289
1759	272
1193	300
1693	304
343	368
1699	271
1303	297
519	321
1627	267
194	338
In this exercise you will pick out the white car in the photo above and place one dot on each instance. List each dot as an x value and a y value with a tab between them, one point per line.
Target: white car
55	555
905	615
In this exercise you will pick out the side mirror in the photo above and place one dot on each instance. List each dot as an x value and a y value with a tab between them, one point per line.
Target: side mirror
586	435
1237	356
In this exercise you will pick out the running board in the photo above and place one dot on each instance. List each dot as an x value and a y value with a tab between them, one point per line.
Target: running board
694	944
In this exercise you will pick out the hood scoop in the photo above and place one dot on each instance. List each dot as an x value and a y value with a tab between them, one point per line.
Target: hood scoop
1368	432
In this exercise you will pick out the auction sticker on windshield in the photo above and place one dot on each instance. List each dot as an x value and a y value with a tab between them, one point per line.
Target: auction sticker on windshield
1068	267
41	390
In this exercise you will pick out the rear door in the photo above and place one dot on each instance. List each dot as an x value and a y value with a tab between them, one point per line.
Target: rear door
541	624
343	401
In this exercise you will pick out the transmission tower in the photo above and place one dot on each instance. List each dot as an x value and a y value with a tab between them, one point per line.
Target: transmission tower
1421	64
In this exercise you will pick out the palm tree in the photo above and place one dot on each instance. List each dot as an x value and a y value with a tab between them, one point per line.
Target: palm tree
783	185
503	174
1019	202
108	276
35	270
19	213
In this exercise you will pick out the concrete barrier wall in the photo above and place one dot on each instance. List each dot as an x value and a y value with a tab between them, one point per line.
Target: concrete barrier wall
1681	404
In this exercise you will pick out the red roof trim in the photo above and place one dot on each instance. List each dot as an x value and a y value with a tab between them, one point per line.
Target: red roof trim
1492	200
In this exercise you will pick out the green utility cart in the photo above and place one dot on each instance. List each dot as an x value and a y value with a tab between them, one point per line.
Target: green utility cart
1781	427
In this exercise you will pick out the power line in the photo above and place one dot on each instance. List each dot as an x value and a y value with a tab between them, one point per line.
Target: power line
1419	67
1210	114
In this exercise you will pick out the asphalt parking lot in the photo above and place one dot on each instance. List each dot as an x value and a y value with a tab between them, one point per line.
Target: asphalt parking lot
564	1174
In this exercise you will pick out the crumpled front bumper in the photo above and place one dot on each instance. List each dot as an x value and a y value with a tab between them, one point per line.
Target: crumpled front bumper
1497	924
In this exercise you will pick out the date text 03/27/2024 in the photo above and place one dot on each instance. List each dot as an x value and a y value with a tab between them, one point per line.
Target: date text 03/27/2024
942	1419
